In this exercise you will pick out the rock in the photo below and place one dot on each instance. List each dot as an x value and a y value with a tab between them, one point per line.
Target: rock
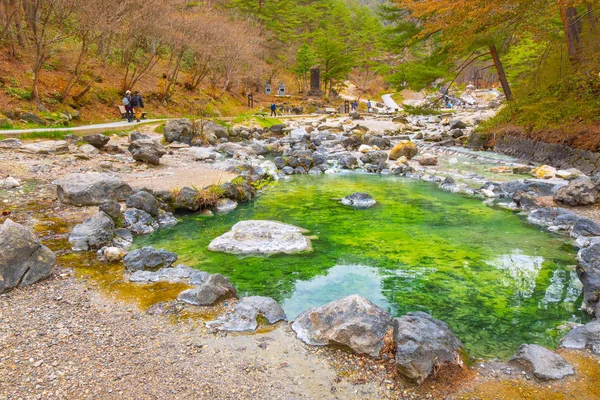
217	130
544	172
113	254
229	148
503	169
348	161
353	321
262	237
402	160
147	258
359	200
424	345
457	133
137	136
166	220
91	189
97	140
32	118
123	238
287	170
111	208
583	337
11	143
374	157
428	160
225	206
522	169
404	148
23	259
93	233
569	174
279	162
579	192
457	124
9	183
246	312
215	288
178	273
277	128
363	148
46	147
203	153
147	150
585	227
380	142
186	198
143	200
355	115
541	362
88	150
139	222
270	170
449	185
588	271
179	130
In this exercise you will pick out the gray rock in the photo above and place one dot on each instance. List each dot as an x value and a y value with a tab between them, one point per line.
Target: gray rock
148	258
229	148
215	288
23	259
579	192
123	238
541	362
33	118
91	189
428	160
423	345
212	128
359	200
246	312
585	227
548	216
374	157
97	140
179	130
88	150
178	273
46	147
449	185
262	237
147	150
353	321
139	222
348	161
225	206
11	143
204	153
137	136
277	128
167	220
588	271
457	124
186	198
112	209
93	233
287	170
279	162
9	183
143	200
583	337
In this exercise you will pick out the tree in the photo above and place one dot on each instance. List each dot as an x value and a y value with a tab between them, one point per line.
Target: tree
335	59
305	60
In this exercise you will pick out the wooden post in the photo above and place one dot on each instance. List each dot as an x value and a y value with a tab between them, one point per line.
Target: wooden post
501	73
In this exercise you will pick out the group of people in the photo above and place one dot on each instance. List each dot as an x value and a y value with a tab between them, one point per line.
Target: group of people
134	106
354	106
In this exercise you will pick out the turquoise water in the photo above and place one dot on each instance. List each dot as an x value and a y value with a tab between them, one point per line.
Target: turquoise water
497	281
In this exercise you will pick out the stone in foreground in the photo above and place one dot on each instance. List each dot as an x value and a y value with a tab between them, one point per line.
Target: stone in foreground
93	233
404	148
23	259
583	337
353	321
147	151
543	363
423	345
207	293
246	312
46	147
262	237
91	189
149	258
359	201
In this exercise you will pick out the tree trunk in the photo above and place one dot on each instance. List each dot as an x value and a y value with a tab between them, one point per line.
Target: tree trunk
501	73
572	26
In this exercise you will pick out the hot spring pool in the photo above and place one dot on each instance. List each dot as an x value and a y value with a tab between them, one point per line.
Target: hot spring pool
497	281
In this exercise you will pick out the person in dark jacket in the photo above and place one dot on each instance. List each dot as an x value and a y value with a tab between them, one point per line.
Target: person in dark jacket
138	105
273	110
128	107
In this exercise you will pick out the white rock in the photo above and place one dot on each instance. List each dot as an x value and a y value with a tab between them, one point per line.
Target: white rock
9	183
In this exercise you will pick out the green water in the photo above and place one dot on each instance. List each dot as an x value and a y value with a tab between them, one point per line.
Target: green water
497	281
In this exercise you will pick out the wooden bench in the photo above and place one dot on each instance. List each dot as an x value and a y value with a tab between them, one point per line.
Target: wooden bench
123	113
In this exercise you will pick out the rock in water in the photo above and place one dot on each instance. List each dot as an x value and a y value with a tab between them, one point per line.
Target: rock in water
359	200
139	222
405	148
583	337
588	271
147	150
143	200
23	259
91	189
225	206
246	312
262	237
93	233
215	288
543	363
97	140
149	258
580	192
423	345
353	321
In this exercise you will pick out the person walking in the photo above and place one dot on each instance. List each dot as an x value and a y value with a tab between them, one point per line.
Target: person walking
273	110
355	106
369	106
128	107
137	103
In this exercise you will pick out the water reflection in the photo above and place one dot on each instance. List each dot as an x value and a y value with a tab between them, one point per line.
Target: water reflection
564	286
522	271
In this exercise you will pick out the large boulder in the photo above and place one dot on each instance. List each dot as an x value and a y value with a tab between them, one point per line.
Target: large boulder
405	148
93	233
541	362
97	140
10	143
215	288
580	192
139	222
246	312
359	200
211	128
143	200
23	259
588	271
262	237
544	172
353	321
148	258
186	198
374	157
179	130
424	345
147	150
93	188
46	147
583	337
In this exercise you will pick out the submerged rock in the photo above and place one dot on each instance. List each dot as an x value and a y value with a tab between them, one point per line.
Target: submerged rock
543	363
262	237
93	233
423	345
91	189
23	258
246	312
215	288
353	321
225	206
149	258
359	200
